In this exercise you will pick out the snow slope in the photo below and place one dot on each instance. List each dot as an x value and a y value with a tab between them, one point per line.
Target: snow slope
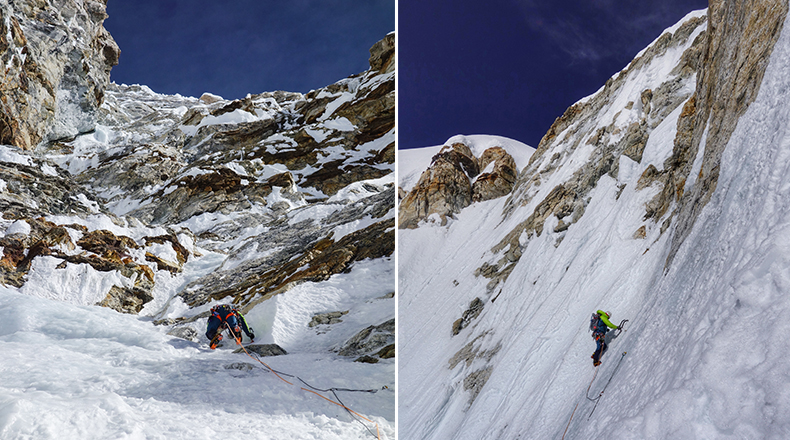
707	347
74	371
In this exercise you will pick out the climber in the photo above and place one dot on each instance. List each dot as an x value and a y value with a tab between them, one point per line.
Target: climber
227	316
600	325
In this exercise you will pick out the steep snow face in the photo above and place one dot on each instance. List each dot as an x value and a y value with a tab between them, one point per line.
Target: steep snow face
706	348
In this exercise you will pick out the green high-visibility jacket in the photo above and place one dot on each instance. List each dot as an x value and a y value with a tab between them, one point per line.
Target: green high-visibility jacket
602	315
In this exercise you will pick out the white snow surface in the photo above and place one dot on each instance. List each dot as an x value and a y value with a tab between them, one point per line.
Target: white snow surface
706	353
91	373
80	371
413	161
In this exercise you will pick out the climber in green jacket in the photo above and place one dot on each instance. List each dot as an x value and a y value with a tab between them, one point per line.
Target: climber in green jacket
600	325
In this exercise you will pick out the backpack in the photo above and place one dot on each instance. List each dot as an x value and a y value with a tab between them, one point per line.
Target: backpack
223	312
594	322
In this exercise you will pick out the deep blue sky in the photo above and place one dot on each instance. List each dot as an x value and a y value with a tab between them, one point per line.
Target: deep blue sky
510	67
235	47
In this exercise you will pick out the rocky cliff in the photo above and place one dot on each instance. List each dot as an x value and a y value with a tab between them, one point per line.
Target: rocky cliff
57	58
166	205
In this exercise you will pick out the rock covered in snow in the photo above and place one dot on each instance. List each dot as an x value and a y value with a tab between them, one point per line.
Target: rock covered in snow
264	350
252	163
373	339
57	58
455	179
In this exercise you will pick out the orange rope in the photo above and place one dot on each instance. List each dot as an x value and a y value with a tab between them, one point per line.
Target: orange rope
378	434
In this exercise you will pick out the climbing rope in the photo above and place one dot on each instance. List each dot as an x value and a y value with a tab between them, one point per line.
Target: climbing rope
621	328
597	399
577	403
354	415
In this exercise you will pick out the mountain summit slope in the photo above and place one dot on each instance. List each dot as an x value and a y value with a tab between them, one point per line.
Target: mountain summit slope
661	198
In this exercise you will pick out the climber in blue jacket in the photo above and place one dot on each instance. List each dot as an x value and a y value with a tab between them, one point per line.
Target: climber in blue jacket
226	316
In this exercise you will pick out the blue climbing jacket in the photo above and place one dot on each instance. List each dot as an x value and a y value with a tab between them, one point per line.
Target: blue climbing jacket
227	314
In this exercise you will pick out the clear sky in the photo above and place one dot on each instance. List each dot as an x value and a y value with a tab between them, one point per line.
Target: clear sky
511	67
232	48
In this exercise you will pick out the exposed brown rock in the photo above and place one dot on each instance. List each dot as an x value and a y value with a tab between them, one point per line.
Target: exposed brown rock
475	381
444	188
369	340
499	182
474	310
264	350
125	300
382	54
326	318
57	62
317	262
723	94
283	180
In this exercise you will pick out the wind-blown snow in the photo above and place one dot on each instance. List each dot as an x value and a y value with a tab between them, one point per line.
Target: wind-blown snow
708	342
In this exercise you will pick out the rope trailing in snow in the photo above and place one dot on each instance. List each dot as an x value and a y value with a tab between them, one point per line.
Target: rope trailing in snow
313	389
597	399
621	328
577	404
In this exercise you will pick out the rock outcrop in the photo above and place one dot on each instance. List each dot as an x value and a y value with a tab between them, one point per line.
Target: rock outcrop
497	182
722	95
264	350
454	180
57	58
373	341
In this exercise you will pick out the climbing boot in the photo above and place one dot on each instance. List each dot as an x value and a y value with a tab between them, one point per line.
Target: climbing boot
216	340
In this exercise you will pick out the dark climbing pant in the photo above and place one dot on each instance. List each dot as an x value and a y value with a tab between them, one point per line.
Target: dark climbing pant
600	347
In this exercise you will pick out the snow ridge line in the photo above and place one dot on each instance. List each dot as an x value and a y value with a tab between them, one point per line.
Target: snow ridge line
351	412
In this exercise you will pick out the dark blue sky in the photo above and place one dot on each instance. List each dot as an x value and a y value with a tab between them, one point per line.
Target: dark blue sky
510	67
232	48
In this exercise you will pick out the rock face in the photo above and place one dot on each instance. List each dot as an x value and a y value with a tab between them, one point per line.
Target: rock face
500	180
454	181
264	350
57	57
722	95
378	340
